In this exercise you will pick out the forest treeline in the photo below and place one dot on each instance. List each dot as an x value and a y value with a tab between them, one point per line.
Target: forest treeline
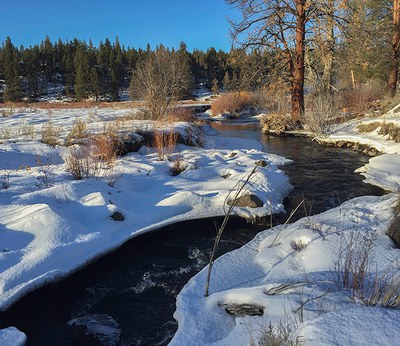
80	70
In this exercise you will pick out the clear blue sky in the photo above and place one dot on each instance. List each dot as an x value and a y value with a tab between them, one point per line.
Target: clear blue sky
199	23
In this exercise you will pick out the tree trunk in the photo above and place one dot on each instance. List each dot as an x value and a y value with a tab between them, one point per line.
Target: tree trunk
329	51
395	56
298	64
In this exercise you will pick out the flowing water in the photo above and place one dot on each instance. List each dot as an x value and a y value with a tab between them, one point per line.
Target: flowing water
136	286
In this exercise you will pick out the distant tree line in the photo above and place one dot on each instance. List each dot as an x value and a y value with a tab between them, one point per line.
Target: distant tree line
80	70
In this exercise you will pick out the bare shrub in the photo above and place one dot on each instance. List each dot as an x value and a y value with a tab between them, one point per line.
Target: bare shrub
79	131
96	159
27	131
232	103
360	98
355	272
368	127
161	79
5	179
392	130
50	133
46	177
164	141
321	114
274	98
276	123
179	114
278	335
177	167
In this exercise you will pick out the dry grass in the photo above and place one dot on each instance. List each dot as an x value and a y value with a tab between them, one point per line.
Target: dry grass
50	134
360	99
276	123
79	131
164	142
321	114
392	130
177	167
180	114
96	159
368	127
232	103
355	272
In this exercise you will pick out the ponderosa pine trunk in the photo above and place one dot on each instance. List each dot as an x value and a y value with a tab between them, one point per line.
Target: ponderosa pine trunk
298	63
395	56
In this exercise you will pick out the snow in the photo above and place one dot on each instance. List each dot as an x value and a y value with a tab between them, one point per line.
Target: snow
269	261
383	171
49	231
348	132
12	336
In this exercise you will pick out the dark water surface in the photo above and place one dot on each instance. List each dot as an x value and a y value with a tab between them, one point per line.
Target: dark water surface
137	285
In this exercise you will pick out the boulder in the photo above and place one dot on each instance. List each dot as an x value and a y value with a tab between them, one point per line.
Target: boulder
241	310
117	216
250	201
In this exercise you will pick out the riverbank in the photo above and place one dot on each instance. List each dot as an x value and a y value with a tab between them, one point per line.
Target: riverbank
285	285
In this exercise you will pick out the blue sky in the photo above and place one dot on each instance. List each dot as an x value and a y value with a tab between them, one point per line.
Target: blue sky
199	23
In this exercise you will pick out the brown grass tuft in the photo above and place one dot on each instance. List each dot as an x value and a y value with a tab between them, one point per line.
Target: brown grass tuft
368	127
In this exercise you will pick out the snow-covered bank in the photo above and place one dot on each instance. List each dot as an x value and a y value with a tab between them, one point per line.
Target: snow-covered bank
50	228
12	336
287	274
383	171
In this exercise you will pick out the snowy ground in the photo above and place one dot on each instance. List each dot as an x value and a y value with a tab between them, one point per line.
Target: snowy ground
384	170
289	273
50	228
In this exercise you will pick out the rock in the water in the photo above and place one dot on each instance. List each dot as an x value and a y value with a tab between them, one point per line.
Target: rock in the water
117	216
261	163
98	326
241	310
12	336
250	201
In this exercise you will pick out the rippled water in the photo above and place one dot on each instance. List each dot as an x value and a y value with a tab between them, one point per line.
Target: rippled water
136	286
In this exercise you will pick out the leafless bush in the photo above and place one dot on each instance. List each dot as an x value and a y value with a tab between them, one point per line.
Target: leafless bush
279	335
96	159
322	113
46	178
50	133
27	131
232	103
79	131
276	123
177	167
161	79
164	141
392	130
368	127
179	114
360	98
5	179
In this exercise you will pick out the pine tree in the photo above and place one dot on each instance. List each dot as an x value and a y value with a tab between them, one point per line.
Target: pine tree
13	86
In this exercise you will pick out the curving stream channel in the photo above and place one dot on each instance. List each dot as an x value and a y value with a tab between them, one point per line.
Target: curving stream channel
137	285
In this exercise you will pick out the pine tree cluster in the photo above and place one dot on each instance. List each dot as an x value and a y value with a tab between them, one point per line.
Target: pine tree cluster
85	71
